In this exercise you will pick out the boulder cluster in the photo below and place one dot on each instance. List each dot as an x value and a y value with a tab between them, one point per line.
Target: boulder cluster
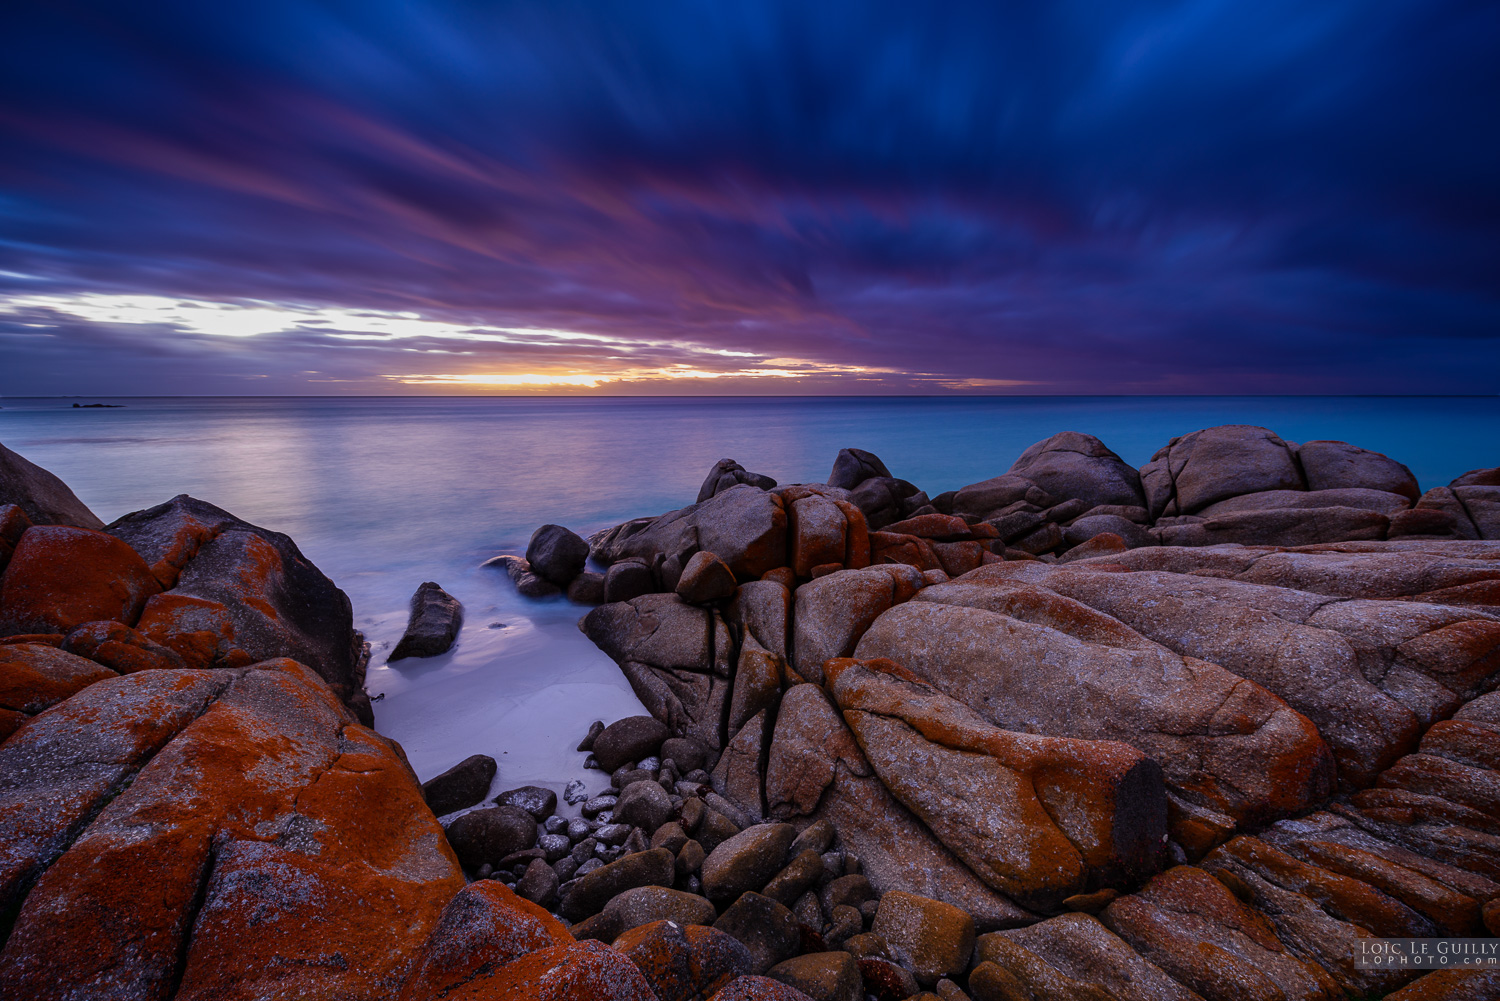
1197	730
897	748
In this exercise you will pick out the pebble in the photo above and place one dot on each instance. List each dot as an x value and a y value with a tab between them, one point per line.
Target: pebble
613	834
554	846
650	764
580	828
575	792
556	825
589	867
599	804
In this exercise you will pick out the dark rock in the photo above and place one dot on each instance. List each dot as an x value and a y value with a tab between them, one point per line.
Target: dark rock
1043	540
44	498
491	834
714	829
587	588
822	976
1332	465
705	579
1286	527
689	754
645	805
808	911
727	473
595	729
853	466
628	579
1077	466
1066	511
884	499
628	739
991	499
817	837
539	802
575	792
539	884
746	861
612	834
669	836
595	889
554	846
433	626
580	828
566	868
690	858
801	875
1017	521
599	804
556	554
846	891
843	922
768	929
1090	525
684	962
646	904
744	526
627	775
758	989
528	583
1194	470
465	784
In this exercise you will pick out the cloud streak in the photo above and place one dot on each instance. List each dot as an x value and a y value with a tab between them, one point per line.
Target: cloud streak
1195	196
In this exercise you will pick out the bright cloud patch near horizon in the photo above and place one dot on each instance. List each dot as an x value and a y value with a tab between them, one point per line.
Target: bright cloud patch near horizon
613	361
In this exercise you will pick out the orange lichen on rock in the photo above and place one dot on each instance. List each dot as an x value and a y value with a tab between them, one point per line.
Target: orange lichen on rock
120	648
198	630
33	677
62	577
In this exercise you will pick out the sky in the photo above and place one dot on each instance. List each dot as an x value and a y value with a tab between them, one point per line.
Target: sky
1060	197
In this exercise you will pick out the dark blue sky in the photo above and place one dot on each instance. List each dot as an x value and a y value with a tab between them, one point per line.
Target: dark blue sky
1204	196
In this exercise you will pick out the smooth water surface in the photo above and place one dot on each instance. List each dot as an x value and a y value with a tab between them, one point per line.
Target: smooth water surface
384	493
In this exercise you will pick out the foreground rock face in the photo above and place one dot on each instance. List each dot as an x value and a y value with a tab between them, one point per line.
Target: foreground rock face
225	832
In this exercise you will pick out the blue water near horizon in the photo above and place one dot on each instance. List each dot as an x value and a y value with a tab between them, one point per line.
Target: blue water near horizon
386	492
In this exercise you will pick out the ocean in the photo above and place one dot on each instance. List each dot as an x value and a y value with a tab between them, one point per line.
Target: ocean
385	493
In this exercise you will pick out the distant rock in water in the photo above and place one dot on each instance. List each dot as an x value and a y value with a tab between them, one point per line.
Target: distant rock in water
98	406
435	619
45	498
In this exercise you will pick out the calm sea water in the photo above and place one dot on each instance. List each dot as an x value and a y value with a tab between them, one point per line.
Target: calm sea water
384	493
